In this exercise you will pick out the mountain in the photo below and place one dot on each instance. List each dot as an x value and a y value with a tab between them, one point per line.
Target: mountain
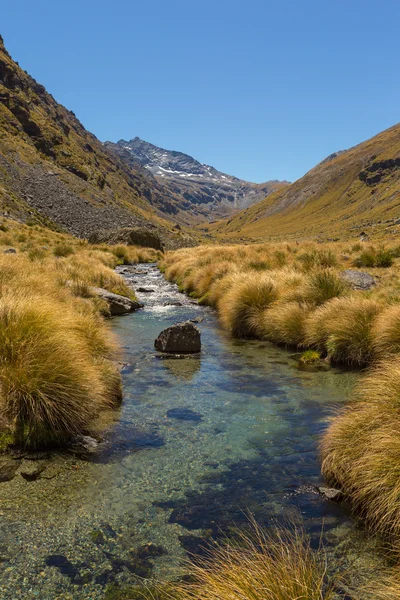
197	191
351	191
56	173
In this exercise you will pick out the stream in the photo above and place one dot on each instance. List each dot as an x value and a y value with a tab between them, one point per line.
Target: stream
199	444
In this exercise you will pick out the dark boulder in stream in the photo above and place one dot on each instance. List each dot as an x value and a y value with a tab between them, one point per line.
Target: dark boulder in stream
182	338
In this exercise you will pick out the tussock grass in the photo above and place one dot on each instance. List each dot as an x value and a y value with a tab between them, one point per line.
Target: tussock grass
361	450
386	331
263	566
343	329
284	324
245	301
57	354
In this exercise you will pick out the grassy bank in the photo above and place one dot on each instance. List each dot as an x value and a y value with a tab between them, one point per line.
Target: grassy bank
57	360
294	295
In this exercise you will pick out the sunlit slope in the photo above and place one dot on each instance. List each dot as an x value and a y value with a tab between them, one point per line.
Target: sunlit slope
54	171
349	192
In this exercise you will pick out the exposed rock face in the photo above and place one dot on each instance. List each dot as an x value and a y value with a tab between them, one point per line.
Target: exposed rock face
194	188
136	236
118	305
182	338
358	280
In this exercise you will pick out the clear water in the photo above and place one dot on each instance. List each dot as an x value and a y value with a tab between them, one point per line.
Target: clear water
242	440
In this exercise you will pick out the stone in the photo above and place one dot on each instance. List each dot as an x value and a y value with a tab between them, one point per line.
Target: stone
10	251
31	470
330	493
8	468
138	236
182	338
143	290
118	305
358	280
184	414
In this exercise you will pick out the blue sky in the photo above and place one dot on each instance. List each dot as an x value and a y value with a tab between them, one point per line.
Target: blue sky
260	89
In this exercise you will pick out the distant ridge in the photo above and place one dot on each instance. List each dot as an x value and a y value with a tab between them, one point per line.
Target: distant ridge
197	191
349	192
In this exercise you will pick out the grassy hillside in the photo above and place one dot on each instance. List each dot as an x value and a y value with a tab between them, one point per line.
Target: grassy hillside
350	192
54	172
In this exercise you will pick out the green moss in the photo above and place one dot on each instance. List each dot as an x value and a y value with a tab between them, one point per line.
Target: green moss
6	440
310	357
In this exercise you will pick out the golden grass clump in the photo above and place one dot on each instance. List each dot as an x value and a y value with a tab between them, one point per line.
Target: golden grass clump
343	328
246	299
321	286
285	323
266	566
57	358
386	331
51	388
361	450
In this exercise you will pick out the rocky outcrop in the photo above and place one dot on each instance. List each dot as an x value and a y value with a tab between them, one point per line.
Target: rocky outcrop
118	305
133	236
358	280
182	338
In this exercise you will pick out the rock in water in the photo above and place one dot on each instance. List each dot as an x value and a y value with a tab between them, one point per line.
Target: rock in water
8	468
330	493
182	338
118	305
358	280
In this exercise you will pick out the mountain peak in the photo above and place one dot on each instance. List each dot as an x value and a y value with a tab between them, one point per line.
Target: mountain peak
199	189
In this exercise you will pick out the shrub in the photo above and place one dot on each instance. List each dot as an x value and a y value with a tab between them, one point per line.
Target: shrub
246	299
322	286
62	249
384	258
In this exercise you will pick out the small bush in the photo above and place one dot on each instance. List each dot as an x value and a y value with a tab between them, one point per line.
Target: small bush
322	286
60	250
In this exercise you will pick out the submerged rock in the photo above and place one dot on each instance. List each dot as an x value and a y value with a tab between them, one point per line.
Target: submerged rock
330	493
182	338
145	290
118	305
358	280
31	470
8	468
184	414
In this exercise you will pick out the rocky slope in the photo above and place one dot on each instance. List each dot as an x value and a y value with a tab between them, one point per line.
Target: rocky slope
197	191
352	191
54	172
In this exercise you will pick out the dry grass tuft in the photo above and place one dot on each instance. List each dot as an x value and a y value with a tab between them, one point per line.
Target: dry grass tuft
245	301
265	566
